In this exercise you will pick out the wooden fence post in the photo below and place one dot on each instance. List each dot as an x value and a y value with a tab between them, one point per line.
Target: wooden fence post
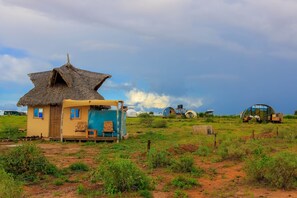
253	134
148	145
215	140
276	131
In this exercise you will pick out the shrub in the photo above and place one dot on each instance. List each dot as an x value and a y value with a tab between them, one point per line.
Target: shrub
8	186
27	162
58	182
146	119
201	115
145	194
209	119
291	116
203	151
184	183
290	135
159	124
158	159
11	133
279	171
180	194
184	164
81	189
232	150
257	166
121	175
282	172
79	166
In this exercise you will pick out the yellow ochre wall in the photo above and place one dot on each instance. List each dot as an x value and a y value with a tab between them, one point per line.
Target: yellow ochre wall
69	124
36	126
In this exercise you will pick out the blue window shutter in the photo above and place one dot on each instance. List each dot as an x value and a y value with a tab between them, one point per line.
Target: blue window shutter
36	112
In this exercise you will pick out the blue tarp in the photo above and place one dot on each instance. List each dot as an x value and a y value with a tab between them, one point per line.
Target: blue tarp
97	118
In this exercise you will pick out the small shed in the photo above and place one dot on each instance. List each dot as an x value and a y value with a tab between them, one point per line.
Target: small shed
106	123
261	112
191	114
169	111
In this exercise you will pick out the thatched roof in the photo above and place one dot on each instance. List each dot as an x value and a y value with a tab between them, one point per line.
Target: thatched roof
65	82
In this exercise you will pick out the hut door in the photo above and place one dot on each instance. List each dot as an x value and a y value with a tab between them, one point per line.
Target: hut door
55	121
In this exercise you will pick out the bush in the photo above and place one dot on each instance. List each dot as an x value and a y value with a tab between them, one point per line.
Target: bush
79	166
291	116
279	171
180	194
290	135
159	124
237	149
145	194
209	119
58	182
185	164
81	190
203	151
158	159
282	172
9	188
121	175
11	133
146	119
184	183
257	167
27	163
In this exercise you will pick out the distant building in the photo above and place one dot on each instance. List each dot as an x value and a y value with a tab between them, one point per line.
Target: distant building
8	112
131	113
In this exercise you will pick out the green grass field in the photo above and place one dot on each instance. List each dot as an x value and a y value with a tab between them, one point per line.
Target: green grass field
179	131
10	125
174	137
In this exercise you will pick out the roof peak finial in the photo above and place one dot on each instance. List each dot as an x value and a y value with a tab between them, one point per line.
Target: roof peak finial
68	59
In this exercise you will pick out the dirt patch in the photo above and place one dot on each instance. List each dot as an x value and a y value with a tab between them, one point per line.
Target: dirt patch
221	179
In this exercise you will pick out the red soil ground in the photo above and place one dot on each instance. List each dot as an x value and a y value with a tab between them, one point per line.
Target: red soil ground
223	179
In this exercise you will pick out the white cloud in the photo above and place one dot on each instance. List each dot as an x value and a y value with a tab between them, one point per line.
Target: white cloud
148	100
109	84
187	102
16	69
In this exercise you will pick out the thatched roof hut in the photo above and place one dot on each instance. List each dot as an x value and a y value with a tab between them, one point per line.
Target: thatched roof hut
65	82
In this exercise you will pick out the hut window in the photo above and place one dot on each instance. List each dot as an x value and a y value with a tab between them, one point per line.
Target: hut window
38	112
74	113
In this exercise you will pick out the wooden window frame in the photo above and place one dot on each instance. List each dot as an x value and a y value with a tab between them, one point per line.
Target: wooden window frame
75	118
38	116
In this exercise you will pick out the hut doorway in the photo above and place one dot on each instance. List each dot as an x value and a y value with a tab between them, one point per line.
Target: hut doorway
55	121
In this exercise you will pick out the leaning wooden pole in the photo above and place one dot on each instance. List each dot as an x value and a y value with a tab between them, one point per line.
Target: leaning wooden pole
118	123
148	145
122	119
215	140
61	125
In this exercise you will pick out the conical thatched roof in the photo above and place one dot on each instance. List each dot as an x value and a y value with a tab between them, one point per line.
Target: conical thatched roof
65	82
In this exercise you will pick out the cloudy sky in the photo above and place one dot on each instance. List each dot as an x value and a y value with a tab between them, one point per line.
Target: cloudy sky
205	54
